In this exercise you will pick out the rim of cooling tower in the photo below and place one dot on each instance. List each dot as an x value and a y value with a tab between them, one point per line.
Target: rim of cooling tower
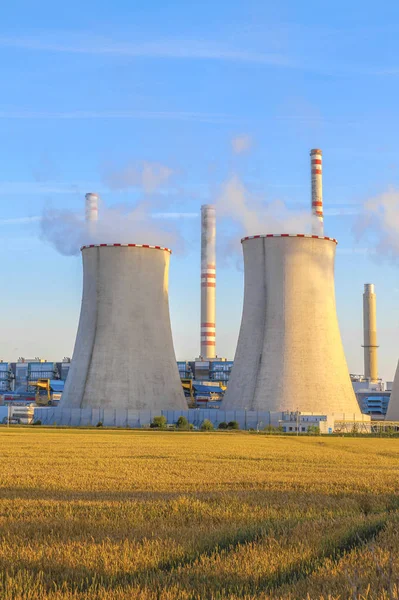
291	235
127	246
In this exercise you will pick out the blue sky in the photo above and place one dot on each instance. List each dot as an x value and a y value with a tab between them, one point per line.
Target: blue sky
94	88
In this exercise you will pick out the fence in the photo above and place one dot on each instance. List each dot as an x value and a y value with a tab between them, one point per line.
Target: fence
247	419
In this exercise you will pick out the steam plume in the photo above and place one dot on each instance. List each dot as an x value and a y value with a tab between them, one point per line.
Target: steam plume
380	223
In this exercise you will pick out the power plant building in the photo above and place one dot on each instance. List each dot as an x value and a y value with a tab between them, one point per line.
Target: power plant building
289	355
124	356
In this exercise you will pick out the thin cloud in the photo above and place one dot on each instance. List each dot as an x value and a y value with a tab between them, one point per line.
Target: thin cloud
175	215
342	212
20	220
241	143
166	49
181	49
149	176
34	188
120	114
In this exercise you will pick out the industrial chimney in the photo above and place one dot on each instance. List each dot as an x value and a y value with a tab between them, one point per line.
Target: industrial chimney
91	212
289	355
124	356
393	406
316	163
370	333
208	282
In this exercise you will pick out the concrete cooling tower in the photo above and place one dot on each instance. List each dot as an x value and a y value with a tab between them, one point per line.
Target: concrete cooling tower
289	355
393	406
124	356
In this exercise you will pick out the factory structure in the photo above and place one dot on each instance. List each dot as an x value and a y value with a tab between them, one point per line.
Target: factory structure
289	368
289	354
125	317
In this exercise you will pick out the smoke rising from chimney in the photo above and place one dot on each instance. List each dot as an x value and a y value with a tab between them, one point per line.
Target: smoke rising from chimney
380	224
253	215
67	231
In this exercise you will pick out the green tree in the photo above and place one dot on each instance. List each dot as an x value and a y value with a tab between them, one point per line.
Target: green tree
182	423
233	425
313	430
159	422
207	425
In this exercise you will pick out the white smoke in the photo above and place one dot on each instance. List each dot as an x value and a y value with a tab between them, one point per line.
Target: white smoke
144	223
148	176
380	224
67	231
252	215
241	144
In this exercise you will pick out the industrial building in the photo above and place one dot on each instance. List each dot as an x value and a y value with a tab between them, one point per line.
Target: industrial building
5	377
289	354
124	356
289	369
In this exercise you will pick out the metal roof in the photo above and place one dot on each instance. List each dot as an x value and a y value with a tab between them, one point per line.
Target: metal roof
208	388
57	385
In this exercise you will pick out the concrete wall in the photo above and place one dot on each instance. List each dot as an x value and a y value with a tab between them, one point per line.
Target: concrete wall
124	356
289	354
393	406
133	418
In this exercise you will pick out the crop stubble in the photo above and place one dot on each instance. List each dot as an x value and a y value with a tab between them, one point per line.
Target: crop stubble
119	514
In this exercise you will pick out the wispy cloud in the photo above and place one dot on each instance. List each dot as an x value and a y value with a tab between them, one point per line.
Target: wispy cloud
343	212
172	48
36	188
191	49
156	215
149	176
120	114
20	220
175	215
241	143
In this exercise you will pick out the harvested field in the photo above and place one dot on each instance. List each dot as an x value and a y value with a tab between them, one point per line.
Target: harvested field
90	514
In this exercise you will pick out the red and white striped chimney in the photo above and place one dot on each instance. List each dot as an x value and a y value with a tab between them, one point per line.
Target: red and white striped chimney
316	164
208	281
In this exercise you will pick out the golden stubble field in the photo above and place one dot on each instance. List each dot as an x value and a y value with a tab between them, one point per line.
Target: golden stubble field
89	514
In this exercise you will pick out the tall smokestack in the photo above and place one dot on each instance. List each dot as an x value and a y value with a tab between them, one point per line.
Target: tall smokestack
370	333
208	281
316	163
91	211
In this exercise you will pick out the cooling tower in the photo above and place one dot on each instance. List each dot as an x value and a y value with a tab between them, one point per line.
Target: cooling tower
370	333
393	406
208	282
124	356
289	354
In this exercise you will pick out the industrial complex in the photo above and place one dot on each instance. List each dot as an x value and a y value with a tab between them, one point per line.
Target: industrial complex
289	368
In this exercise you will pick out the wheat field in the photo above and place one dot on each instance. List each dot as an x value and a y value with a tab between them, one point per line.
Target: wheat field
90	514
